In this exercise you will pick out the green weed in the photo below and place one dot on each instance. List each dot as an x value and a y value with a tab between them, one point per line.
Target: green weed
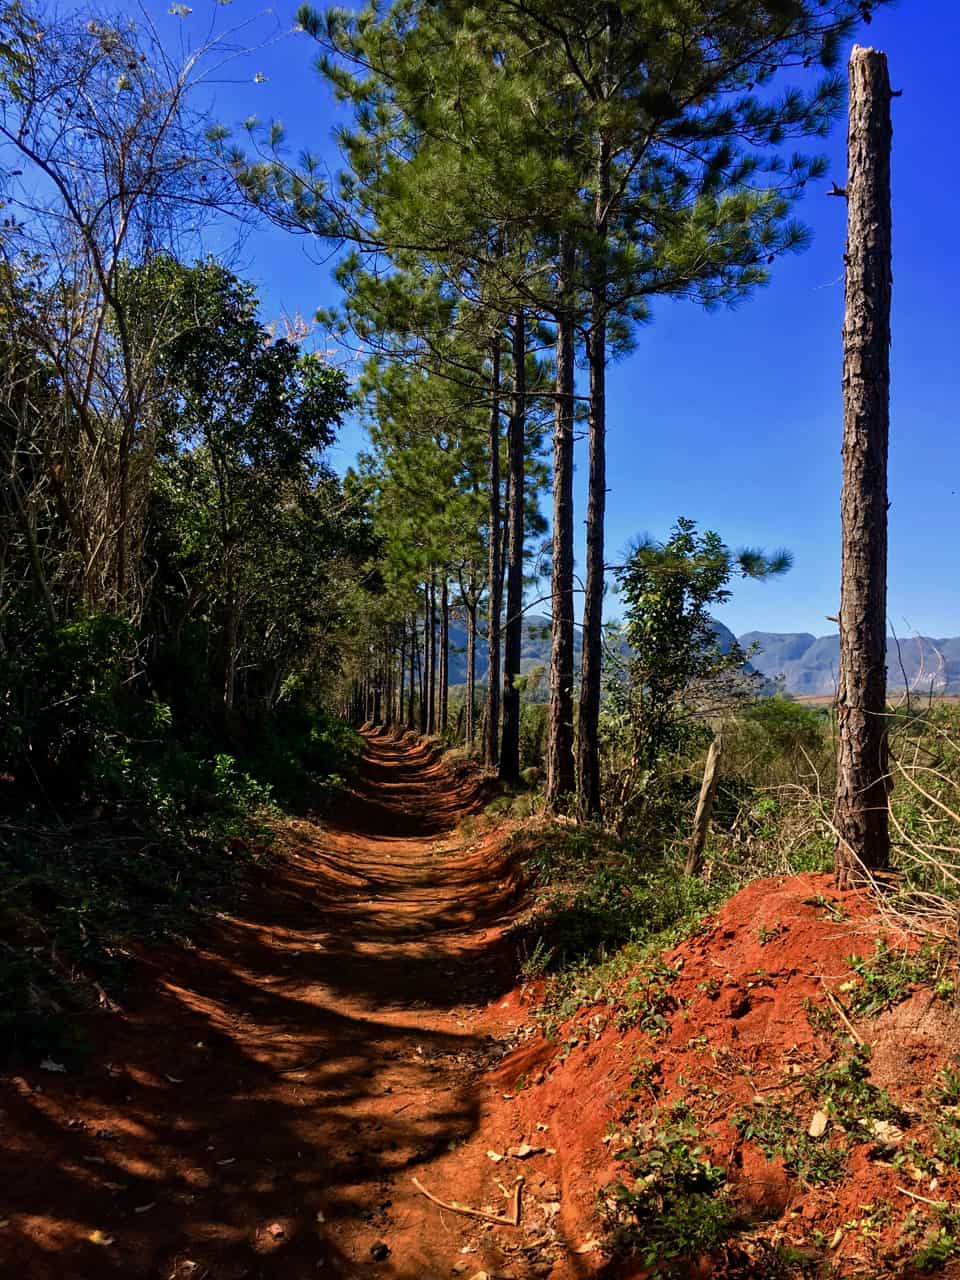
678	1206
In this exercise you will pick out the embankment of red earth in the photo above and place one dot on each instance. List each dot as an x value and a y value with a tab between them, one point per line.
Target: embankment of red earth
822	1091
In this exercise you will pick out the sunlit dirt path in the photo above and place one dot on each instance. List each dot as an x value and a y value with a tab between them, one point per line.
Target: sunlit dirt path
260	1108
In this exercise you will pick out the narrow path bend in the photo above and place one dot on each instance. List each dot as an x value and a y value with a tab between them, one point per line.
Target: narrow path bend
262	1106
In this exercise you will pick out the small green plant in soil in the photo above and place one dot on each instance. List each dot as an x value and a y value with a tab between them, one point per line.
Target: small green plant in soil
947	1093
679	1206
845	1092
942	1244
780	1130
770	933
832	908
887	976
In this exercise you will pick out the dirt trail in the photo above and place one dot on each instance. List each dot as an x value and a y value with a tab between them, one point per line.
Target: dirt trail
261	1107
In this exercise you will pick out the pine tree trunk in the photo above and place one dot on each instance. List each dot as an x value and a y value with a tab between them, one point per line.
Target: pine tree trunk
414	659
591	659
422	659
432	656
444	654
390	684
560	762
401	672
860	812
472	661
491	739
513	642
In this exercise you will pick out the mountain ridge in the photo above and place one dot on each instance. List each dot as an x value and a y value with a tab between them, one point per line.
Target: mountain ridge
807	663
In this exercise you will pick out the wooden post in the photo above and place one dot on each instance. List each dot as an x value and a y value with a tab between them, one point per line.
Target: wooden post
860	810
701	821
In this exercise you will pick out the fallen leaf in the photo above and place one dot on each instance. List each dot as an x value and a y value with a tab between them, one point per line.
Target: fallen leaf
48	1064
551	1208
174	1079
145	1208
461	1266
837	1237
4	1222
229	1160
495	1156
818	1124
525	1151
99	1237
886	1132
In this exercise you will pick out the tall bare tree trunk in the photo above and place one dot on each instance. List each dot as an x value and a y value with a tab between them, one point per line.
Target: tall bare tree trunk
414	659
513	643
401	671
560	762
444	654
591	658
432	655
491	737
422	661
860	811
472	660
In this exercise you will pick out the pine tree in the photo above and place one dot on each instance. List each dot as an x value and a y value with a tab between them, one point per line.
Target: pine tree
861	807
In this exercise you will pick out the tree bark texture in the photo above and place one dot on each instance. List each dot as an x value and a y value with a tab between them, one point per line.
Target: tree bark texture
414	658
513	641
444	653
422	660
860	811
591	657
472	660
491	738
432	655
401	672
560	761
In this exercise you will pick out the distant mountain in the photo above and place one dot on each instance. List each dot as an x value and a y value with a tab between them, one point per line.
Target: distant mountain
809	664
535	653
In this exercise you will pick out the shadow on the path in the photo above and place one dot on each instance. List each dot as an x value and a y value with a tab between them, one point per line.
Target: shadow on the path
265	1089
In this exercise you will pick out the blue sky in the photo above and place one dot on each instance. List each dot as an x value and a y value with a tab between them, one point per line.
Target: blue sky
733	418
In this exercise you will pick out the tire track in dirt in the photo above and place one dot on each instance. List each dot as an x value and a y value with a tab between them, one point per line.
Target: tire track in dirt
262	1105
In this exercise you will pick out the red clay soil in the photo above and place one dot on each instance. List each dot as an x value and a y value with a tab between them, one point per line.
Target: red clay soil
267	1098
738	1035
